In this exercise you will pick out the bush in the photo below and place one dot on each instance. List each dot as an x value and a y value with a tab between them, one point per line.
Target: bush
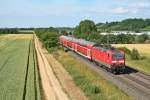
49	36
142	38
135	54
125	49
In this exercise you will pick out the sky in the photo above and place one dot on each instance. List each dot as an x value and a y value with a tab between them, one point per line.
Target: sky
68	13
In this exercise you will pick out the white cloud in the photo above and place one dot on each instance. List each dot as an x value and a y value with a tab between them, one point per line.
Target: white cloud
120	10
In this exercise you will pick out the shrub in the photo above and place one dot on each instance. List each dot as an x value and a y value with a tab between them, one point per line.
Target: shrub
142	38
125	49
135	54
96	90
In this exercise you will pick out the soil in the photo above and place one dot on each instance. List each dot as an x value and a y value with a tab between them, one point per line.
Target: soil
67	84
51	87
66	80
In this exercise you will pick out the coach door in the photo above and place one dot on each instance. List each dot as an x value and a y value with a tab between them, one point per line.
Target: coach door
89	53
76	47
108	57
72	46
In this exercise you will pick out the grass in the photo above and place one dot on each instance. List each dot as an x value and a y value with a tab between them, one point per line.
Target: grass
144	50
146	28
13	69
93	85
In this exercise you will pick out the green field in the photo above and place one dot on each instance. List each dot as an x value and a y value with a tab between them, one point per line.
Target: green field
93	85
19	78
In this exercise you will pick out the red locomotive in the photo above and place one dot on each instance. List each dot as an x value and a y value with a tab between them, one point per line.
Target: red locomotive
108	57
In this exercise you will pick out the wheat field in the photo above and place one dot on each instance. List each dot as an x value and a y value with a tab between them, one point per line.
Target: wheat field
144	50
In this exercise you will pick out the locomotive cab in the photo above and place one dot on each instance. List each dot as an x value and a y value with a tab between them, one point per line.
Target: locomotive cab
118	61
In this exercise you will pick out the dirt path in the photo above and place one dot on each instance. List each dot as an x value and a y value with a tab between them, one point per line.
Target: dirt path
51	86
66	80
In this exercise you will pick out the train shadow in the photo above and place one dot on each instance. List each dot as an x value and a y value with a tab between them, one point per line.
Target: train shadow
130	70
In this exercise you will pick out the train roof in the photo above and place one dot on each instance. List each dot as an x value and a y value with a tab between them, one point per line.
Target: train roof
104	47
80	41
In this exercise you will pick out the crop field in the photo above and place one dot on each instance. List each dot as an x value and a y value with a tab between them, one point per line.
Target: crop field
19	79
144	50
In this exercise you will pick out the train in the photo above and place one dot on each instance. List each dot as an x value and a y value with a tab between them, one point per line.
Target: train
111	59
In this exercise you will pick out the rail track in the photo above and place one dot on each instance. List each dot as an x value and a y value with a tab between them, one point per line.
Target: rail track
135	83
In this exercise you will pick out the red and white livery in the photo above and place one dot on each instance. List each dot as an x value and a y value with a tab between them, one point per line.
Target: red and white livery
108	57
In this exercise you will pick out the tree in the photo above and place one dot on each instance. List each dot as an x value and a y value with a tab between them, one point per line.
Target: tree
49	36
93	37
64	32
142	38
135	54
85	28
132	24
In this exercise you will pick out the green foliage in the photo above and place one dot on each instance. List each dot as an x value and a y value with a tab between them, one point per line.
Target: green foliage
64	32
93	85
142	64
124	38
127	25
147	28
142	38
49	37
85	28
135	54
115	39
125	49
8	31
93	37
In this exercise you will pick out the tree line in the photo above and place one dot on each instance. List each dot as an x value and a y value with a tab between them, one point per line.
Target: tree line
87	29
14	30
8	31
49	37
135	24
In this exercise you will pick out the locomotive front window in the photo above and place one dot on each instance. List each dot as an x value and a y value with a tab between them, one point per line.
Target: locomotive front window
118	56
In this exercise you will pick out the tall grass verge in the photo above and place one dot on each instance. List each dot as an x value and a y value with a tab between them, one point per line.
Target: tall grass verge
93	85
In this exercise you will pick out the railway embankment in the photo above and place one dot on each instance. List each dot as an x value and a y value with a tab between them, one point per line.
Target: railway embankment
94	85
134	83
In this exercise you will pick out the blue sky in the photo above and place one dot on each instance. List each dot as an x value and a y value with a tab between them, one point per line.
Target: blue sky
57	13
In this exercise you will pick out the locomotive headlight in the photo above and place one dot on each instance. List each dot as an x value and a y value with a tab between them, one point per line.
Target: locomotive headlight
114	61
121	61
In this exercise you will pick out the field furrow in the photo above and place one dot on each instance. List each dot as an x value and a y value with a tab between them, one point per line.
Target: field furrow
13	69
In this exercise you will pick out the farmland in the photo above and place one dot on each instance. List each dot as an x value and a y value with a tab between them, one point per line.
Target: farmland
18	68
144	50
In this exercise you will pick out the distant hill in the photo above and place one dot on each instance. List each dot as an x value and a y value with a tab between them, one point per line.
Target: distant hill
67	29
128	25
